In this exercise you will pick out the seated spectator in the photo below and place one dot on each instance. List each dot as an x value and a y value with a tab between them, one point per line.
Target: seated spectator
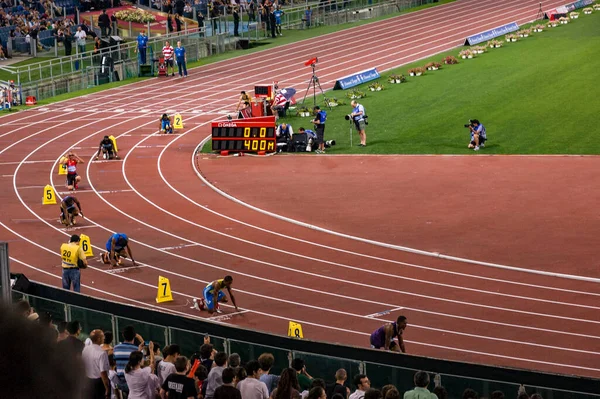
167	366
470	393
304	379
178	385
284	134
214	379
142	382
228	390
266	361
252	387
362	384
234	360
288	386
339	385
421	381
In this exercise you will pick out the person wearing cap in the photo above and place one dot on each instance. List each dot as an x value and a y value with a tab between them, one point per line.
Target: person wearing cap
73	259
107	149
117	247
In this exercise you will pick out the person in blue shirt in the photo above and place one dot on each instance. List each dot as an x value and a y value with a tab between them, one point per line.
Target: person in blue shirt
278	14
142	42
311	137
181	59
117	247
319	121
478	135
307	16
165	124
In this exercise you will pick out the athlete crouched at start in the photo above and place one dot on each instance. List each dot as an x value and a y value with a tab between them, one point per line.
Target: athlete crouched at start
166	124
70	207
213	294
107	148
117	247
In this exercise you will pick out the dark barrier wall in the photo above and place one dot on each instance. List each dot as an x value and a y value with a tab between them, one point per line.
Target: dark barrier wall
468	371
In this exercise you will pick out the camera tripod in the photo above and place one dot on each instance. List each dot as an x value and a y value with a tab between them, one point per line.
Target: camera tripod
540	14
314	83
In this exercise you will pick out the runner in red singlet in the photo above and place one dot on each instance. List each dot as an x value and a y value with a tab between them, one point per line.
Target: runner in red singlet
72	178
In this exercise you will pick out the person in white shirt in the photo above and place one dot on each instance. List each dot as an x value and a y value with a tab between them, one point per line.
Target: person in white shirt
362	384
80	37
252	387
113	377
142	382
167	51
166	367
96	364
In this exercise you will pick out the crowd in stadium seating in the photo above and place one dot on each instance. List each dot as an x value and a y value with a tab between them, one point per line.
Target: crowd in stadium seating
138	369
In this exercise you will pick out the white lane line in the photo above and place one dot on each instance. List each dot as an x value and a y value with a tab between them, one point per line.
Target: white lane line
91	191
178	246
27	162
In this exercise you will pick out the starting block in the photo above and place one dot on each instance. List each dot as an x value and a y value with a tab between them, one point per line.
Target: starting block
295	330
49	197
164	290
86	245
177	121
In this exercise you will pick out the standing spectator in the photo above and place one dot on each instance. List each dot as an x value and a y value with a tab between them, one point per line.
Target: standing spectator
181	59
104	23
316	383
234	360
142	382
107	344
240	375
304	379
318	393
307	17
236	21
421	380
228	390
167	366
252	387
167	51
177	22
169	23
339	385
200	375
95	360
288	387
472	394
207	355
113	379
68	42
494	395
373	393
362	384
278	14
23	308
62	331
114	24
73	259
122	352
80	37
441	393
272	21
72	345
178	385
266	361
179	7
319	121
142	43
214	379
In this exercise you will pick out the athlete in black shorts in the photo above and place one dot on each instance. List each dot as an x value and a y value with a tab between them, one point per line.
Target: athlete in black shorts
70	207
107	149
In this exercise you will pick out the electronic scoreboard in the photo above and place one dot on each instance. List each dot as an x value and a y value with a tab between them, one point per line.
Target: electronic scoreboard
245	135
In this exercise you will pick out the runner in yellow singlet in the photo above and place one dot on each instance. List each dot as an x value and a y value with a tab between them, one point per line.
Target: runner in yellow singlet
215	290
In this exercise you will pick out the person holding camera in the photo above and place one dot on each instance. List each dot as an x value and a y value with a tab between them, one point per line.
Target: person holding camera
478	134
359	117
319	121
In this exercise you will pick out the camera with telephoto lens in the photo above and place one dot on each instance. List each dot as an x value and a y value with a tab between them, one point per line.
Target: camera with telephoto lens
470	124
329	143
349	117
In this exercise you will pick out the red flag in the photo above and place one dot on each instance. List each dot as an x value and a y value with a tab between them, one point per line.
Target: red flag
310	62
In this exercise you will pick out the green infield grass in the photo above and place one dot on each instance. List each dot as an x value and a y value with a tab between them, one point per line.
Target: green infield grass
536	96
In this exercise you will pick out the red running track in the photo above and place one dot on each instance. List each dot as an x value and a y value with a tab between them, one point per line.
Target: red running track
339	287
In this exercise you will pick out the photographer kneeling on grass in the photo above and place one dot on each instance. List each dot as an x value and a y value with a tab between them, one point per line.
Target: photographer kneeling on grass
359	117
478	134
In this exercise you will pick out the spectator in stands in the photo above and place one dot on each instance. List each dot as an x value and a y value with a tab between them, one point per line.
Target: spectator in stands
236	21
61	327
200	376
497	395
113	379
441	393
304	379
142	382
107	344
234	360
32	366
228	389
307	17
373	393
45	321
317	393
178	22
240	375
23	308
68	42
214	379
104	24
536	396
178	385
122	352
72	344
288	385
95	360
207	355
252	387
188	11
362	384
80	37
315	383
142	43
167	366
2	54
339	386
421	380
470	393
266	361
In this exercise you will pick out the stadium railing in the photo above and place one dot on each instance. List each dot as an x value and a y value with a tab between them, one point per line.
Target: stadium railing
322	359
